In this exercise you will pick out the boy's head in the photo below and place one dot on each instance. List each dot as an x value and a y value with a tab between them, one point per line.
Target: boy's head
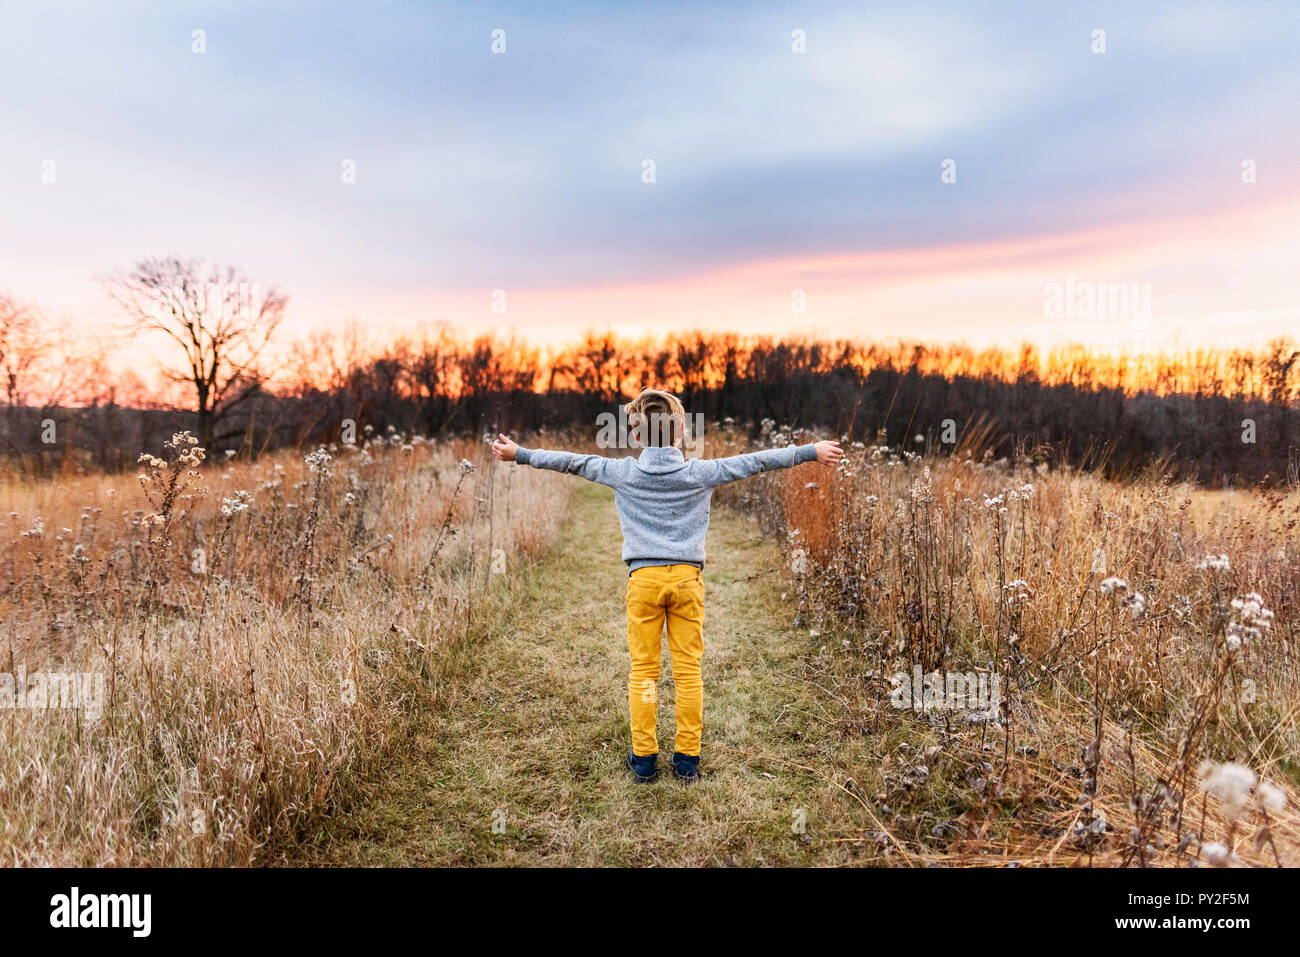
656	418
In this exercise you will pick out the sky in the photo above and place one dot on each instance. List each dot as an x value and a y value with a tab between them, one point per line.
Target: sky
793	192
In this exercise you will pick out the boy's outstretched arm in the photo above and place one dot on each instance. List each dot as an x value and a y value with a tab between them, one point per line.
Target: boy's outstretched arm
594	468
715	472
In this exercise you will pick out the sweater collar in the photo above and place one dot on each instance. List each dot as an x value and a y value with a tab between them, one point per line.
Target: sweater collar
656	458
661	453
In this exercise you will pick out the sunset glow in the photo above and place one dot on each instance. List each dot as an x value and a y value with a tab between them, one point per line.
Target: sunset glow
506	193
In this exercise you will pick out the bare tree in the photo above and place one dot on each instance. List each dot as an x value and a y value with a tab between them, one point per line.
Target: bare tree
220	321
21	349
19	352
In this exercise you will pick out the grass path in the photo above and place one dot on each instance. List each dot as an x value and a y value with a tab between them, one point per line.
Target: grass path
526	766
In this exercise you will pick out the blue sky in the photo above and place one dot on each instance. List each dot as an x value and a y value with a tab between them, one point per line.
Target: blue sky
522	171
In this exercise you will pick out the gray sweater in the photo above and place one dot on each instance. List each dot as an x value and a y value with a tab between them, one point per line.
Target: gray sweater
662	497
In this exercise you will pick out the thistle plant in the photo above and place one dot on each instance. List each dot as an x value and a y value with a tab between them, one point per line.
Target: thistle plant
1130	624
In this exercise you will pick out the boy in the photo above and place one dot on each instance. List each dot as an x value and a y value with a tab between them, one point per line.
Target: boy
663	508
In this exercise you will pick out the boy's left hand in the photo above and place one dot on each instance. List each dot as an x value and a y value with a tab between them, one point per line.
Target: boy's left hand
503	450
829	453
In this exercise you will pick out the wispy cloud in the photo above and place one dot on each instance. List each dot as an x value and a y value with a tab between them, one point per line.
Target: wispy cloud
479	171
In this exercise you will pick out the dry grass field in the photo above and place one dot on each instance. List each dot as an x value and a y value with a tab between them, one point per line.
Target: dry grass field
1143	635
398	653
265	634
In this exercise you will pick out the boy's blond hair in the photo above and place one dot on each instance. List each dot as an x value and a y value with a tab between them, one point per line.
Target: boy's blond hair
657	418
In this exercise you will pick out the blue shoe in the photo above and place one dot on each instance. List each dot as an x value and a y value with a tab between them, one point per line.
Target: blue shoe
645	768
686	767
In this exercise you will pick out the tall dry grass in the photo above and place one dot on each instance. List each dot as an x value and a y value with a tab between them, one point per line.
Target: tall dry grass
265	631
1144	636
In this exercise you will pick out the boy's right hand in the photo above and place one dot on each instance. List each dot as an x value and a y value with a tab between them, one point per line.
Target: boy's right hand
503	450
829	453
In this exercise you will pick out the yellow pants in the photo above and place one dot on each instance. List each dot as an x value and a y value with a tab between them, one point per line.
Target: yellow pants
659	593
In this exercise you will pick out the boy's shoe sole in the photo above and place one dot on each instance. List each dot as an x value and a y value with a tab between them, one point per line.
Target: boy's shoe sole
641	778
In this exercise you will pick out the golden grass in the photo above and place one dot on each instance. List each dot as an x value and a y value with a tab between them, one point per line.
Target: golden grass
305	688
256	662
1111	697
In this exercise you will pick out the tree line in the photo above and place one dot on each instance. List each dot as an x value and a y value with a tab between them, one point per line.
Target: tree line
1218	417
